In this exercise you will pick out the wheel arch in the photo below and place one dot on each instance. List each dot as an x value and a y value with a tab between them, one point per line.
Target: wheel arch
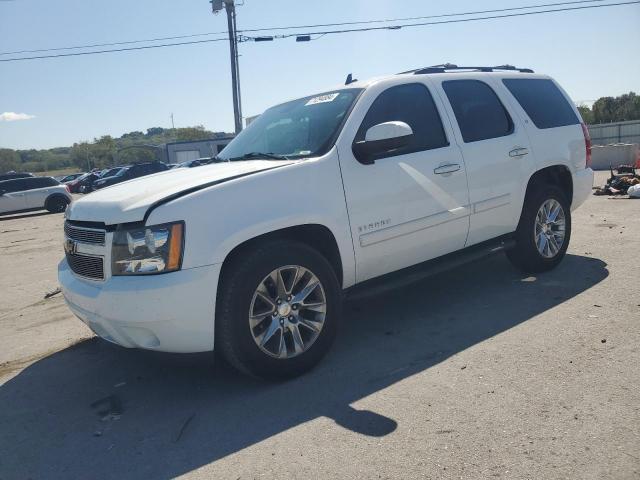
54	196
317	236
558	175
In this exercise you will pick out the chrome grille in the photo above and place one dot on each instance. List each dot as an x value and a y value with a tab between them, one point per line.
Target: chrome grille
86	266
84	235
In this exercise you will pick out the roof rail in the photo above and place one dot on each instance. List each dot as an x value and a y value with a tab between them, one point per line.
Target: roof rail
448	67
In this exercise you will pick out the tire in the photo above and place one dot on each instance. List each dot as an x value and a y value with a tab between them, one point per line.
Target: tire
530	255
238	298
57	204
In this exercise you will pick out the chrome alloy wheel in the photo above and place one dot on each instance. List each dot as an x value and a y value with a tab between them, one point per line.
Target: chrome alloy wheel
550	228
287	311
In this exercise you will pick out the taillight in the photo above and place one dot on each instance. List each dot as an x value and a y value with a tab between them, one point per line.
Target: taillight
68	189
587	144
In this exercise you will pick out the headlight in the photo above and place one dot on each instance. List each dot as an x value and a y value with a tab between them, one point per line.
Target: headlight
147	250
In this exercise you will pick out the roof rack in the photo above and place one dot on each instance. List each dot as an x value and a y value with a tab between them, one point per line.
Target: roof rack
447	67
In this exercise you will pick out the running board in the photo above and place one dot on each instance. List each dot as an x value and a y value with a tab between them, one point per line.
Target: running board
416	273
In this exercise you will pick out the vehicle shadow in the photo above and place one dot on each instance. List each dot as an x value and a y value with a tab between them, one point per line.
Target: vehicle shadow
39	213
100	411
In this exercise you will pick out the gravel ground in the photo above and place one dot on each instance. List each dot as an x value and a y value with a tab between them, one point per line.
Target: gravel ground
481	372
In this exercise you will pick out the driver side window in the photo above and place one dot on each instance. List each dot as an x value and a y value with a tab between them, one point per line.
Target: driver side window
412	104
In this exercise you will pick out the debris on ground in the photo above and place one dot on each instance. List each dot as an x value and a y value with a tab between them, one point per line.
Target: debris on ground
52	293
619	183
108	407
185	424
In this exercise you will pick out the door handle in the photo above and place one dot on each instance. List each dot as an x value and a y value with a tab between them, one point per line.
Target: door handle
448	168
519	152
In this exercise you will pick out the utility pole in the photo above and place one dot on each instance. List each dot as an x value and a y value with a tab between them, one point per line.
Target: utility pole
172	124
230	7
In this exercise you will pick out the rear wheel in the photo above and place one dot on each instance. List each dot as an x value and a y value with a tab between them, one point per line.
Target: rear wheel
278	310
57	204
544	231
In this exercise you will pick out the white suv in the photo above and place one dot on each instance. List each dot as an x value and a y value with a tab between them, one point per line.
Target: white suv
385	180
33	193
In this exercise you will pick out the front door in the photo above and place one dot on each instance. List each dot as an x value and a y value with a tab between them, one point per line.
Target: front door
411	205
12	202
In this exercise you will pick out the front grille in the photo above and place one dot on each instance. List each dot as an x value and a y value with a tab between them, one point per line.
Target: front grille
86	266
84	235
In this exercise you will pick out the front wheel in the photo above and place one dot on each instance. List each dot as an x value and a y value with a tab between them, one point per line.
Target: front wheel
57	204
278	310
543	234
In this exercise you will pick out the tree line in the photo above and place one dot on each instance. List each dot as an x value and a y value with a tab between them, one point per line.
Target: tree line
612	109
132	147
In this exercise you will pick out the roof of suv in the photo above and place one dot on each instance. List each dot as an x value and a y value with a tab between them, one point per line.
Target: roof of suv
453	70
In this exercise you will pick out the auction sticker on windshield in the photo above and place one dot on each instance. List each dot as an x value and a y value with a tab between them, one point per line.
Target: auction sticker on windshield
329	97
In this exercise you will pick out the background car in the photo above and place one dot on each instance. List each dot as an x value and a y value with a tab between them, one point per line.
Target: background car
33	193
68	178
193	163
80	183
12	175
131	172
89	186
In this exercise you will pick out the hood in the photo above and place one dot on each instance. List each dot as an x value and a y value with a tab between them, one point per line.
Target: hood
129	201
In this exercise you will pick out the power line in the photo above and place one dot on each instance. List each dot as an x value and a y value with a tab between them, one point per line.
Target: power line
293	27
461	20
128	42
331	32
404	19
114	50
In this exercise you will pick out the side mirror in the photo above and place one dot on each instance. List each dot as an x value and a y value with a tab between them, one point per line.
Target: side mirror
382	138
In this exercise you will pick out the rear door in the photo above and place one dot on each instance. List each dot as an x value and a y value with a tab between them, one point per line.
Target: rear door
496	152
37	191
551	120
12	199
411	204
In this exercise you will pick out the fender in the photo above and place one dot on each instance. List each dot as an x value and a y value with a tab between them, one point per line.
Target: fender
220	218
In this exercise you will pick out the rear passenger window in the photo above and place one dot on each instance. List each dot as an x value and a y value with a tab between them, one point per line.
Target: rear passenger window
413	104
478	110
39	182
543	101
12	186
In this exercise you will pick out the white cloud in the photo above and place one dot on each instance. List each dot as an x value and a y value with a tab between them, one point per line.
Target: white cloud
13	116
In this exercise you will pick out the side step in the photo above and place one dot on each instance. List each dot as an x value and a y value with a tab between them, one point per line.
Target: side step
416	273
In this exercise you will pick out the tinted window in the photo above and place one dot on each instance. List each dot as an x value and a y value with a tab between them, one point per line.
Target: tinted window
39	182
12	185
543	101
412	104
478	110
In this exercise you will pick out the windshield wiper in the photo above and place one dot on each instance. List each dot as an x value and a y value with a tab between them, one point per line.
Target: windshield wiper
256	155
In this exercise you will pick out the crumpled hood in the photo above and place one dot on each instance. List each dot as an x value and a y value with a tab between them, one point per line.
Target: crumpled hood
129	201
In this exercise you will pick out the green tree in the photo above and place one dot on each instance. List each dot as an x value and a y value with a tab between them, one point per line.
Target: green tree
587	114
9	160
617	109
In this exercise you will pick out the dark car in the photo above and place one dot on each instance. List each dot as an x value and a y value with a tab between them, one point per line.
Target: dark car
89	186
131	172
68	178
194	163
13	175
80	183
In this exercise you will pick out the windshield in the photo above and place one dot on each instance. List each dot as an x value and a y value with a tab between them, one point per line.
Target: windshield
301	128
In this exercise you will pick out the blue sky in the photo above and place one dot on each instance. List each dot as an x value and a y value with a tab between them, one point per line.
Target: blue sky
592	53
